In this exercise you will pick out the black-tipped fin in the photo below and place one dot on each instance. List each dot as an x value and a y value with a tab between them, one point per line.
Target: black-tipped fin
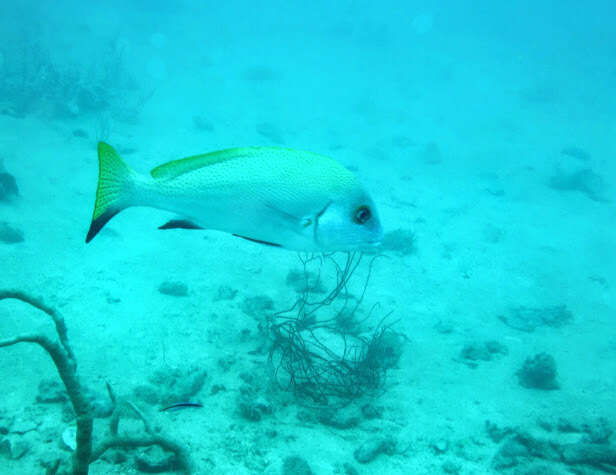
114	190
97	224
180	224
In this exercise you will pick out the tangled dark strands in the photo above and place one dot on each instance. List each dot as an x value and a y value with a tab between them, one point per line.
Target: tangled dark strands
305	309
323	359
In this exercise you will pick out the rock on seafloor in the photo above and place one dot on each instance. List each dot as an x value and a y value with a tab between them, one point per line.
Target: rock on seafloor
174	289
10	234
295	465
372	448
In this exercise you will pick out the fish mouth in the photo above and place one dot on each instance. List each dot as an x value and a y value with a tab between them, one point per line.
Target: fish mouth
379	235
376	238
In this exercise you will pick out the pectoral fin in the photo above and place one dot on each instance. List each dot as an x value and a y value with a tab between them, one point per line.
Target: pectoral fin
295	222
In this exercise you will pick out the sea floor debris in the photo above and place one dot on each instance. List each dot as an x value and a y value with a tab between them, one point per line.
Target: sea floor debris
538	372
523	448
527	319
585	181
8	184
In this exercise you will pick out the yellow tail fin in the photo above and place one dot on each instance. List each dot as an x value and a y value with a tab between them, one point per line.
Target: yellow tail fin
115	183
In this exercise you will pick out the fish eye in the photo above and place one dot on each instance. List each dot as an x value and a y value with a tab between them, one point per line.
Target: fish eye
362	214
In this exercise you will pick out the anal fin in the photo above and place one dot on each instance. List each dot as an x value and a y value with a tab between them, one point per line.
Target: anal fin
258	241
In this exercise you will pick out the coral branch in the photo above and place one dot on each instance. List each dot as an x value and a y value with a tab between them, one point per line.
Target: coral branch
64	360
148	440
54	314
132	441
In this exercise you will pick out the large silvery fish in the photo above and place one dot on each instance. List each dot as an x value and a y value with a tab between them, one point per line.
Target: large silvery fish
287	198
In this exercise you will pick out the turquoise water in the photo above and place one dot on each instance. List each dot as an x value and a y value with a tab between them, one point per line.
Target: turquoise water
477	338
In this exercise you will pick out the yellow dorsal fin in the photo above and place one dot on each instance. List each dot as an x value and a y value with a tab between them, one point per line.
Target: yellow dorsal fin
178	167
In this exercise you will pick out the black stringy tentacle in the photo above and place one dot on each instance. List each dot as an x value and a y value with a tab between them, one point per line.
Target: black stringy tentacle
313	351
